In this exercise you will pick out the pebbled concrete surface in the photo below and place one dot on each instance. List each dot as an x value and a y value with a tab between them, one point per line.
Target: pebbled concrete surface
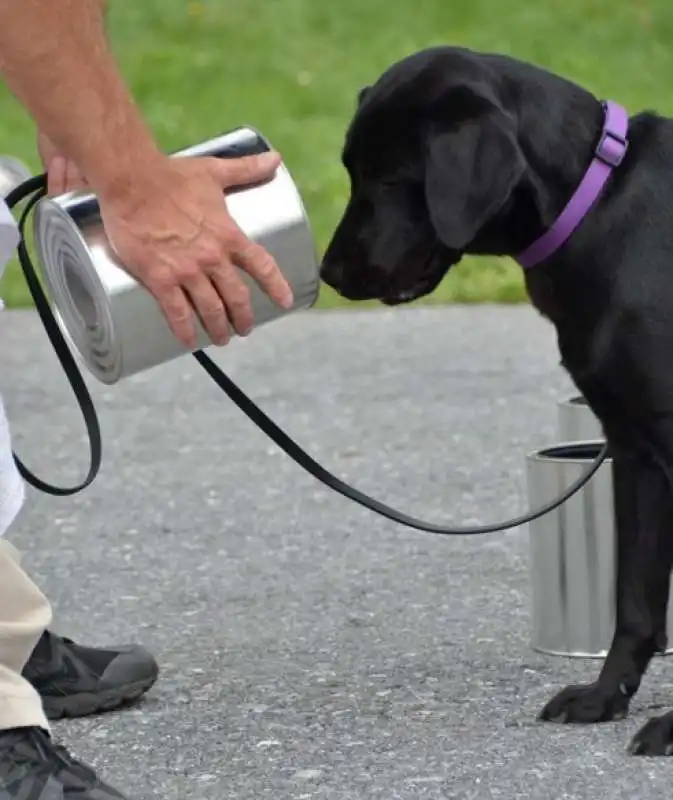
310	649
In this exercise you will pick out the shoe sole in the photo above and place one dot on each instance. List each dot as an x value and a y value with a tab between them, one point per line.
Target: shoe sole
87	703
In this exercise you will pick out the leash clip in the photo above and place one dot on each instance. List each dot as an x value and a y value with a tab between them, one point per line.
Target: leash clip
612	146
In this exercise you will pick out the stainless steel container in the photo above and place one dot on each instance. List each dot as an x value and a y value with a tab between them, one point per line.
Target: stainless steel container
577	422
573	554
112	322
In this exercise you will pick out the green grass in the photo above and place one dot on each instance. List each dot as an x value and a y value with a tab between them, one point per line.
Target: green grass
292	68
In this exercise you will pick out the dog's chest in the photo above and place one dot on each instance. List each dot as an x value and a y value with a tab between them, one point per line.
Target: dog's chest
543	296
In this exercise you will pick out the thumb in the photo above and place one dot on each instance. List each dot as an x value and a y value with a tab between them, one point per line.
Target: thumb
246	169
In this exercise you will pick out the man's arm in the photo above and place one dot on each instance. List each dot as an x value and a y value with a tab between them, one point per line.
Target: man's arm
55	58
164	216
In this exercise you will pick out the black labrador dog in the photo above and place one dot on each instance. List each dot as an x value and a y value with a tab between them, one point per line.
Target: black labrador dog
453	152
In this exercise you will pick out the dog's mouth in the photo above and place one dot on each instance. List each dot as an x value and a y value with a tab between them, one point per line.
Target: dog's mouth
435	267
391	287
385	292
405	296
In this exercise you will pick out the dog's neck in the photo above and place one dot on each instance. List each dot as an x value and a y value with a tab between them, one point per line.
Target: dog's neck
608	155
557	159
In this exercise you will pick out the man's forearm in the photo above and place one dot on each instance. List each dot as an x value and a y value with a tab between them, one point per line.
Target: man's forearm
55	58
102	6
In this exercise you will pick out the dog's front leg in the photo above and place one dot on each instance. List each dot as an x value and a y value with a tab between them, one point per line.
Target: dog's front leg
644	522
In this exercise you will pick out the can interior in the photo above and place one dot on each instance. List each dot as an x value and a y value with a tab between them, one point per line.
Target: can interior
79	293
576	451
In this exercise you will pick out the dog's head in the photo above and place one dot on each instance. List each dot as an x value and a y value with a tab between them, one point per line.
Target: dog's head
432	157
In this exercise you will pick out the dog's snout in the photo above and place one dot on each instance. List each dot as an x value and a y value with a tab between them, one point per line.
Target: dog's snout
331	272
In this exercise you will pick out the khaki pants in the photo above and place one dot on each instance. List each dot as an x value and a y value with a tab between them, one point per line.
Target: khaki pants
24	615
24	610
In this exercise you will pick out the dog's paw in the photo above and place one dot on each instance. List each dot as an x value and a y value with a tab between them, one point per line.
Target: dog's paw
655	738
586	704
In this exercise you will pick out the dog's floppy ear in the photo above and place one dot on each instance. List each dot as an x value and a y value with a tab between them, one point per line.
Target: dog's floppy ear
471	171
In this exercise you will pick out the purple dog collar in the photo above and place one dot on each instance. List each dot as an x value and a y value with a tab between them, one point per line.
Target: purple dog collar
609	153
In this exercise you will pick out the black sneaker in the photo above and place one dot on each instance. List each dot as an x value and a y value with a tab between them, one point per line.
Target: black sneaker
75	681
32	767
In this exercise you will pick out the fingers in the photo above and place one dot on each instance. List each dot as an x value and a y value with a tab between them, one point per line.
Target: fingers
236	298
73	178
215	293
178	311
63	176
209	306
248	255
56	175
219	295
261	266
248	169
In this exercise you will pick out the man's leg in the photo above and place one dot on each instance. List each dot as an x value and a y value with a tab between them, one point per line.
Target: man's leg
24	615
31	765
61	677
25	612
73	680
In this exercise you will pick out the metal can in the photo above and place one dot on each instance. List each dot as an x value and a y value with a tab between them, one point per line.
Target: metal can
113	323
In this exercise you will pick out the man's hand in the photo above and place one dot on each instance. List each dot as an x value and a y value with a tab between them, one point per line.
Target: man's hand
175	236
173	233
62	173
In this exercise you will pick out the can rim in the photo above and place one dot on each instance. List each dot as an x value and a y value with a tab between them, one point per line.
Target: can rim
575	401
570	452
45	207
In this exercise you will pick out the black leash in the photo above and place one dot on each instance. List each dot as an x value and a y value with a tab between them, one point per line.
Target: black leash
35	188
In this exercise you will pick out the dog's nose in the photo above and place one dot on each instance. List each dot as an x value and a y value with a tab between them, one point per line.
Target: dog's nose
331	272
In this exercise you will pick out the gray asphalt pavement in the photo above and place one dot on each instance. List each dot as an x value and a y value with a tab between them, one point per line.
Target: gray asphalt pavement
310	649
